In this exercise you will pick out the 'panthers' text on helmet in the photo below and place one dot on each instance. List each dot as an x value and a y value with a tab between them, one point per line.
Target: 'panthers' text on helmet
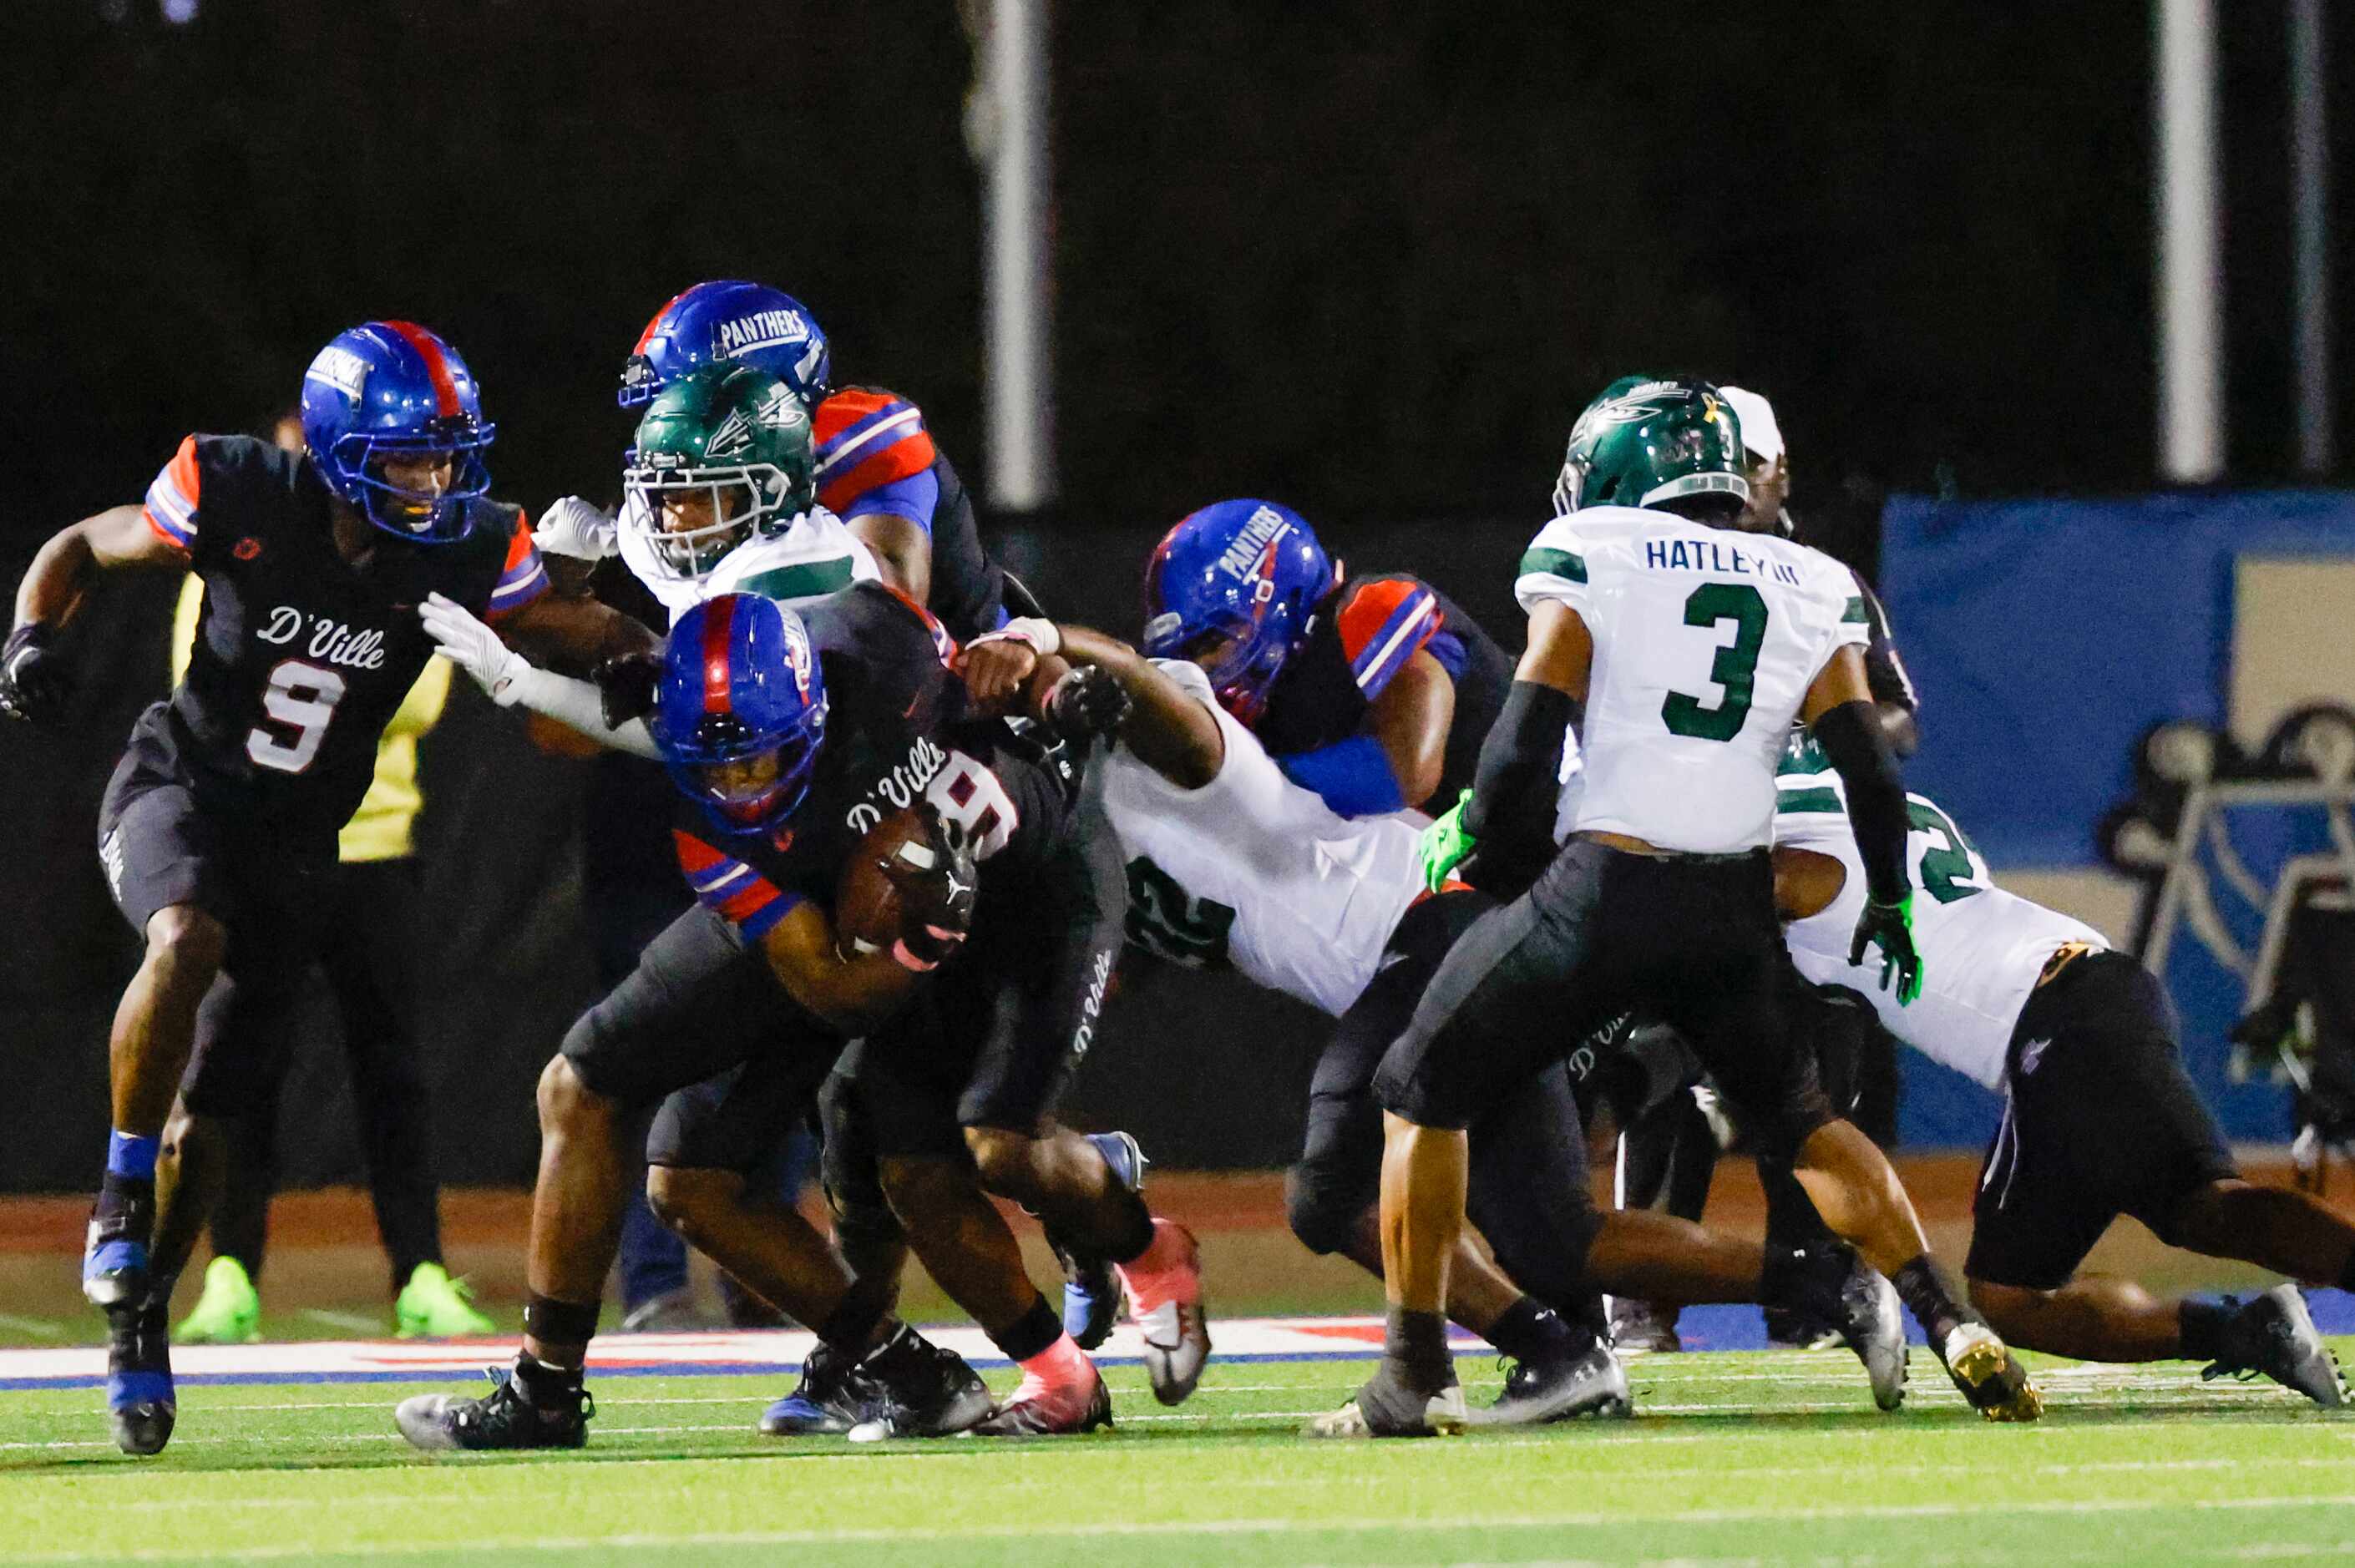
729	319
1234	587
393	388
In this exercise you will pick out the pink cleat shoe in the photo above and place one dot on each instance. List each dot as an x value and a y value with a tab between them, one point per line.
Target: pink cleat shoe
1043	1409
1164	1301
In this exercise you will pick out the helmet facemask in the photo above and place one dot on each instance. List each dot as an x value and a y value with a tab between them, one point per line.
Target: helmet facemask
747	782
745	501
421	516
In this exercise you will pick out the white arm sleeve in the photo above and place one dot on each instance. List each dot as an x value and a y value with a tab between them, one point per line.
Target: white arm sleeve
576	703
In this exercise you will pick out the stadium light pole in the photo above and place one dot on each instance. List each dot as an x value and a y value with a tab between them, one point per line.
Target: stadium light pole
2309	156
1006	129
2187	223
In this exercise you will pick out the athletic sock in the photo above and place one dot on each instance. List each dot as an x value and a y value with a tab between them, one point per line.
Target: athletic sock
130	1179
544	1385
2202	1326
851	1326
1530	1330
1062	1364
1033	1334
1934	1298
1416	1344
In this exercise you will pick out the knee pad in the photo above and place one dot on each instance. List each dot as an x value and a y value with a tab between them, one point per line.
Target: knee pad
1323	1210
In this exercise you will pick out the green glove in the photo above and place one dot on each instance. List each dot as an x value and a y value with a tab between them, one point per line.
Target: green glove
1445	844
1890	927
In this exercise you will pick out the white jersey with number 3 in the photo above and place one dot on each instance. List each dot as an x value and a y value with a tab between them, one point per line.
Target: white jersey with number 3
1255	869
1706	640
1982	948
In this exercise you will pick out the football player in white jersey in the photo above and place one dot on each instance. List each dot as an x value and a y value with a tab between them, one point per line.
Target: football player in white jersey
2099	1116
1231	861
1685	649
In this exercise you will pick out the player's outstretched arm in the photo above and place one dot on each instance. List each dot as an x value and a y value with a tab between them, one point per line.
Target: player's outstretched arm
1166	728
1840	713
853	994
34	680
511	679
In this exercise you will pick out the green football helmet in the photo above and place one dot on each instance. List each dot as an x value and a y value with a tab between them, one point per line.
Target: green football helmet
1649	440
723	456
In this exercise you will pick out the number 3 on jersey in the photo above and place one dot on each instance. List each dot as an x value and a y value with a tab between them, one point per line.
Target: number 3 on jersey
301	698
1735	668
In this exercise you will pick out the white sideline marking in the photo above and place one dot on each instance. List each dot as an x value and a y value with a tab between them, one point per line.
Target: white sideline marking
1121	1528
349	1322
39	1328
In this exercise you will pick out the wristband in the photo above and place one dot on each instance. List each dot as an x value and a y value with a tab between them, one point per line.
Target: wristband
1041	634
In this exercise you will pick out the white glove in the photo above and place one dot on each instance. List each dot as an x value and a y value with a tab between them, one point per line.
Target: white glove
474	648
573	527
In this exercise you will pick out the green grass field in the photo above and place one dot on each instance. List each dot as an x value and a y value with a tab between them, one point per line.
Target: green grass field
1757	1457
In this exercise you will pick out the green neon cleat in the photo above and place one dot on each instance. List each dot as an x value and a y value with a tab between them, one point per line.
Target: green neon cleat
228	1313
432	1305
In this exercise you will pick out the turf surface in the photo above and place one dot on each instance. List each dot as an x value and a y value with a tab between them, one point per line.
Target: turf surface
1732	1457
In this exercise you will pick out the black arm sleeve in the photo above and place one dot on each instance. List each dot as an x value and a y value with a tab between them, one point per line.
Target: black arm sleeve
1851	737
1518	778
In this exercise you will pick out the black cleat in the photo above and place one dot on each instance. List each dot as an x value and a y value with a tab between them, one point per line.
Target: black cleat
830	1399
1989	1376
501	1419
1559	1388
2274	1334
915	1388
140	1401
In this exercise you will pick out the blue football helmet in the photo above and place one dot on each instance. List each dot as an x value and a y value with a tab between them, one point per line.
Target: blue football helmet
1233	587
740	712
730	319
394	387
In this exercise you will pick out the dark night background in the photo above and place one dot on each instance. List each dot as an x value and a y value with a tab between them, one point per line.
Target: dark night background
1366	258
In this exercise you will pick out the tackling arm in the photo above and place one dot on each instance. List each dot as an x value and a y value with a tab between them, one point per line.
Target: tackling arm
566	632
1166	728
1410	721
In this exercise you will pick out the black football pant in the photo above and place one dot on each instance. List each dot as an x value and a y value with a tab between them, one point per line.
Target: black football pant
368	955
1528	1193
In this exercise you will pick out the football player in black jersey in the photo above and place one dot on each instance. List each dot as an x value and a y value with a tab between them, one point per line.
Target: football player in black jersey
1374	692
220	821
793	734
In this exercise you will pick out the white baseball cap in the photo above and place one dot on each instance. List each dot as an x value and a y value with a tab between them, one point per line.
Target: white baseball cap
1761	436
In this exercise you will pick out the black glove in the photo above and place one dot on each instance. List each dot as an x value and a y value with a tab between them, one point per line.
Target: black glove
1089	701
936	903
625	686
34	681
1890	927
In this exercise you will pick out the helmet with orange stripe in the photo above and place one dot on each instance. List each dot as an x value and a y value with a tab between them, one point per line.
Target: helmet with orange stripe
393	419
740	712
